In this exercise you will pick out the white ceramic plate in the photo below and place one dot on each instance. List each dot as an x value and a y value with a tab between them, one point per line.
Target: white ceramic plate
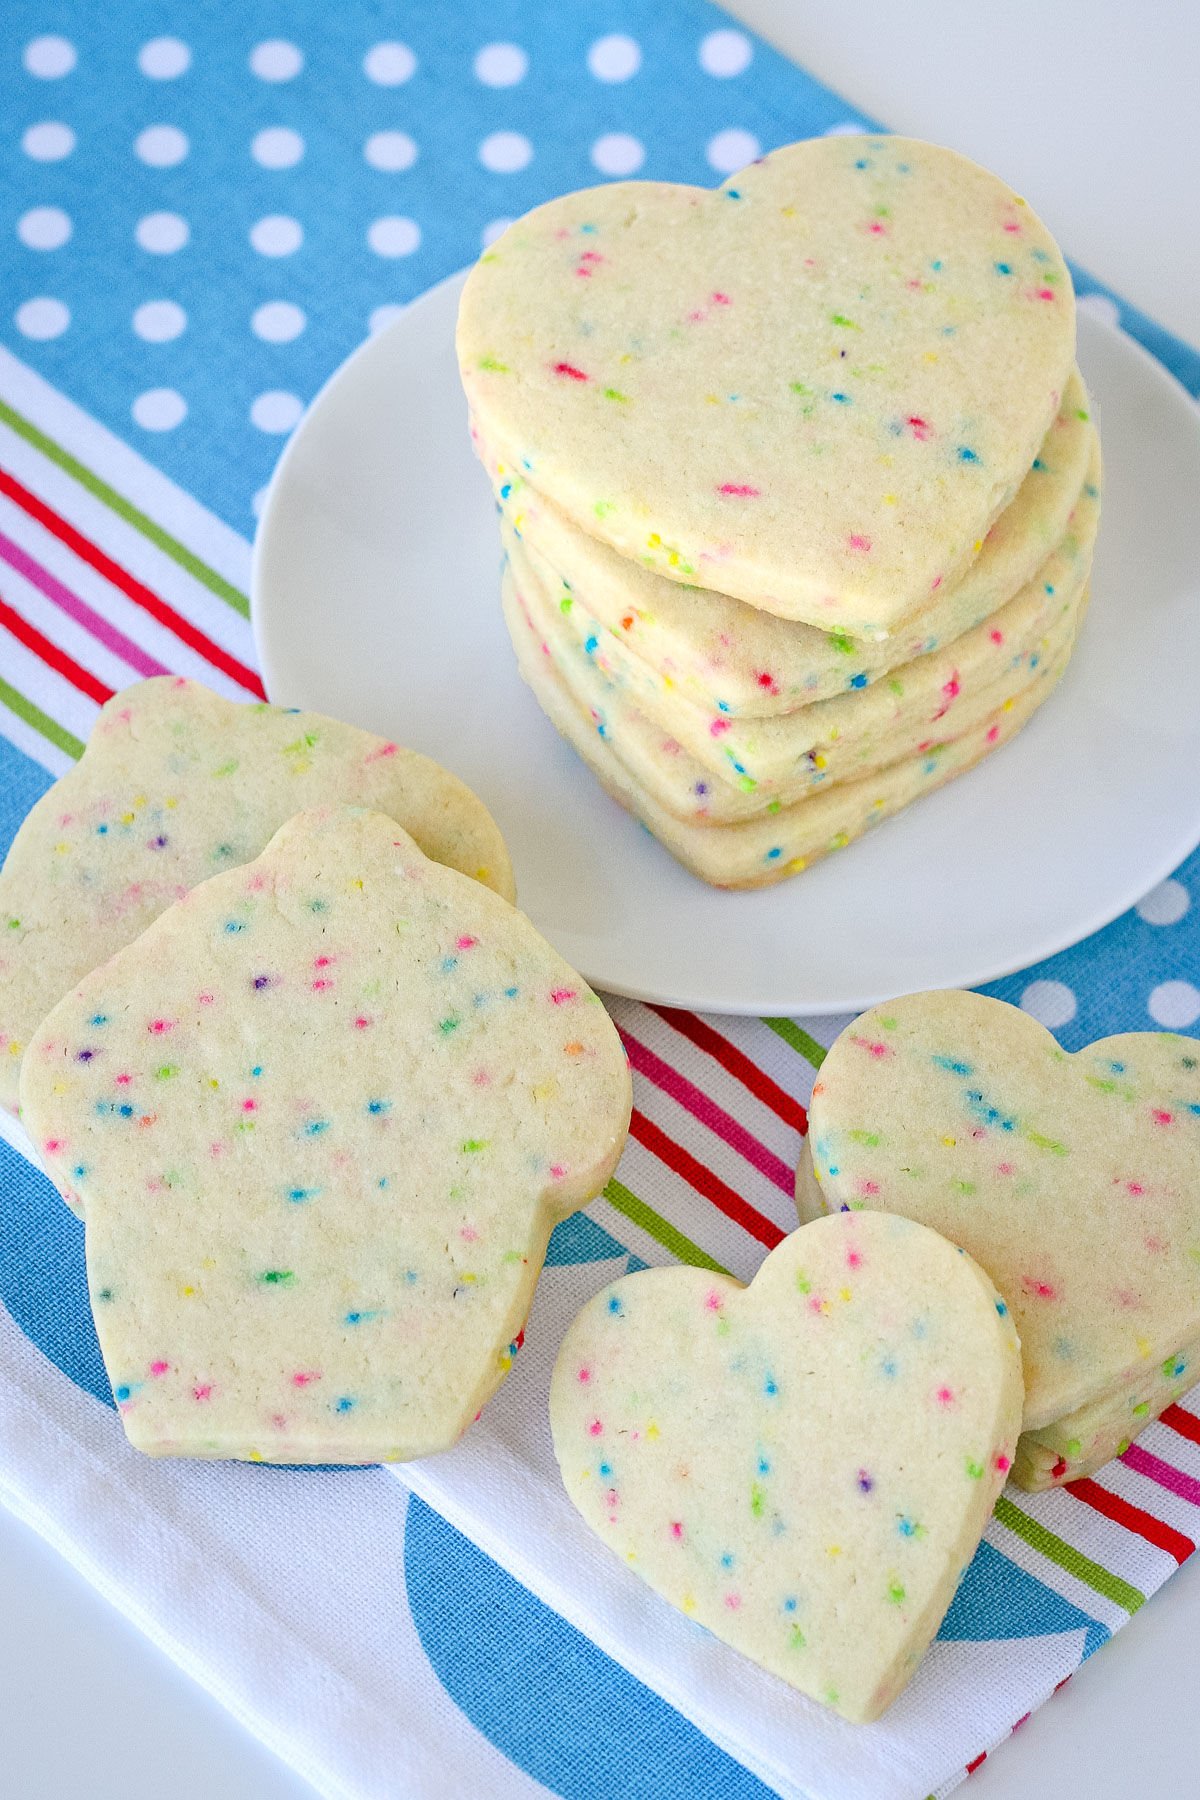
376	598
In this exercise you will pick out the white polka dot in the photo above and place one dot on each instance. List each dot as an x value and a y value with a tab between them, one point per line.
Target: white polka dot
501	65
731	150
42	318
845	128
259	500
614	58
1050	1002
394	236
382	317
390	151
278	322
48	142
49	57
159	409
162	232
1165	904
278	147
1099	306
616	153
389	65
44	228
158	321
276	235
164	59
276	60
504	152
491	232
276	411
161	146
1174	1004
725	53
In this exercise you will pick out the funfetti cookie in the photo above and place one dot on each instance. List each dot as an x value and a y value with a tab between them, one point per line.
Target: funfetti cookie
805	1465
733	660
323	1115
177	784
756	852
813	389
1071	1179
758	762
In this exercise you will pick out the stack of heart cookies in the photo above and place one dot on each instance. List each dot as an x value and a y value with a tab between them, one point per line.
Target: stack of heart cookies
797	482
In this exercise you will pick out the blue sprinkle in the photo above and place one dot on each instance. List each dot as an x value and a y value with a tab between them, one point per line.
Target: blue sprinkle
858	681
122	1393
888	1366
772	854
591	644
863	162
448	963
842	399
770	1386
791	1603
79	1171
733	193
951	1066
102	831
907	1527
379	1106
1118	1068
970	456
126	1111
234	925
511	993
344	1405
605	1468
1039	464
1002	1309
315	1127
936	265
1002	268
764	1467
99	1019
727	1561
614	1305
506	490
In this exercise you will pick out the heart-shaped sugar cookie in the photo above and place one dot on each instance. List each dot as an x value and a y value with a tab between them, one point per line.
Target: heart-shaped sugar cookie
322	1116
178	784
805	1465
1073	1180
813	388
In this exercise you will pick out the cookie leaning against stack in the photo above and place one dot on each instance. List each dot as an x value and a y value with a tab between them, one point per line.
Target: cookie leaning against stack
767	449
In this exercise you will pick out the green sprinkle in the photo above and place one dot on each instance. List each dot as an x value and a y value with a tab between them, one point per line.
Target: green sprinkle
14	924
758	1500
803	1284
493	366
615	394
470	1145
1044	1143
895	1593
566	603
227	768
797	1640
167	1072
871	1139
446	1026
841	643
104	1294
963	1187
277	1277
602	508
841	319
974	1469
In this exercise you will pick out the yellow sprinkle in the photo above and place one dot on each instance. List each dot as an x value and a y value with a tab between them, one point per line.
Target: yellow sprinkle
1007	707
1143	1346
977	546
819	762
797	863
789	212
631	1556
127	818
889	500
171	804
545	1090
213	1082
61	849
844	1293
519	521
481	875
254	1456
950	1141
840	841
688	1603
931	356
833	1549
15	1049
61	1087
186	1293
652	1431
711	400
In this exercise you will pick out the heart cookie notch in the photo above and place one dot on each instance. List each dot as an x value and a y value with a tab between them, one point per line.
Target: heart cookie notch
812	389
1072	1179
805	1465
321	1118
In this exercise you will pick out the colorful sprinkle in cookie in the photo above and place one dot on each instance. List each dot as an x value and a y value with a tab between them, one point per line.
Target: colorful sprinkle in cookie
806	1465
812	389
176	785
734	661
323	1115
1070	1179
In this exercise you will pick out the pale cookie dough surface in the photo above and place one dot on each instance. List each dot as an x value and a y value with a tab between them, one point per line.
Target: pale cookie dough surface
813	388
1071	1179
732	660
323	1116
806	1465
177	784
770	847
746	765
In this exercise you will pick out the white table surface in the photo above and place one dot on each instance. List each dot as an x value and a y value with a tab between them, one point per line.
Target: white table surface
1091	112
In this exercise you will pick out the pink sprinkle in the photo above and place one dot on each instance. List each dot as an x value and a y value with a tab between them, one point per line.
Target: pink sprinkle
921	429
279	1421
1162	1118
124	1080
570	371
1003	1463
215	1150
249	1106
468	1234
596	1428
697	318
321	984
159	1368
1045	293
378	755
584	1375
677	1529
733	1601
712	1301
997	637
935	584
945	1396
561	995
465	943
1004	1168
738	491
158	1026
877	228
1012	225
993	734
1135	1187
868	1187
722	300
557	1172
304	1377
854	1257
719	727
362	1022
205	999
873	1048
322	962
1043	1289
481	1078
857	541
204	1392
53	1146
